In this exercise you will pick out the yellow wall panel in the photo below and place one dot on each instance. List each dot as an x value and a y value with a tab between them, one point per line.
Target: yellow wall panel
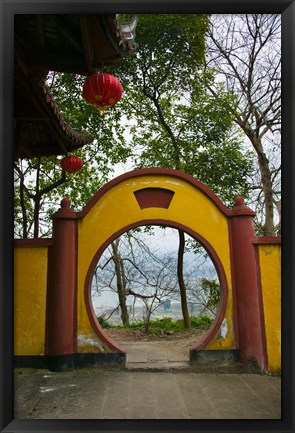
30	281
270	269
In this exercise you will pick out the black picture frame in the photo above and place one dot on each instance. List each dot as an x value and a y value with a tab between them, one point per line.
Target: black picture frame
7	10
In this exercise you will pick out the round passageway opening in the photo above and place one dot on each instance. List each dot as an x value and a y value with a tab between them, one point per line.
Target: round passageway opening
156	281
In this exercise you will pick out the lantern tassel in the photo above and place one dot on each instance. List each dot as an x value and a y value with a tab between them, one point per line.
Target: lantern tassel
102	109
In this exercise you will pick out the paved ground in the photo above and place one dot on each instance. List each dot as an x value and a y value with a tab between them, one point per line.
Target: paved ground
157	354
157	384
101	394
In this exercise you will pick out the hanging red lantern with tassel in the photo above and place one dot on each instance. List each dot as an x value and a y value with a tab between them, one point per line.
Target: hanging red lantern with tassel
102	90
71	164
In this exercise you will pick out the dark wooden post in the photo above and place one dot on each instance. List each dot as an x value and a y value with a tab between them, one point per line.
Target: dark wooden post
247	288
61	297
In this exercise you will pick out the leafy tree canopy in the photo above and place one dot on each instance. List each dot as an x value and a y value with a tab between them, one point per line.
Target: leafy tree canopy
166	118
174	121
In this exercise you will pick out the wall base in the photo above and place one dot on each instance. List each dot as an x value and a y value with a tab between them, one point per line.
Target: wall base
200	357
222	361
30	361
70	362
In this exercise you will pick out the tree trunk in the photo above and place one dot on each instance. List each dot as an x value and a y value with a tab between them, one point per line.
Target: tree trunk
148	310
279	209
120	283
268	195
37	199
269	229
184	307
23	207
36	216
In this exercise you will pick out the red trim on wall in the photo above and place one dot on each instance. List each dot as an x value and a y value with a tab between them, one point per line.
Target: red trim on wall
213	255
267	240
252	342
234	287
91	313
61	320
154	197
260	300
75	315
49	267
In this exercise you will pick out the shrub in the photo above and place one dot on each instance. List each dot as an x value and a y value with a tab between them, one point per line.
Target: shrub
165	324
103	322
201	322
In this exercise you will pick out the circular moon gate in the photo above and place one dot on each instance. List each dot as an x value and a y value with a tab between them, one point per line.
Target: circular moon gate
209	249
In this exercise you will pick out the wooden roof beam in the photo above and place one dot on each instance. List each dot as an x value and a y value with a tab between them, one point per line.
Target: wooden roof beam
40	37
69	35
88	47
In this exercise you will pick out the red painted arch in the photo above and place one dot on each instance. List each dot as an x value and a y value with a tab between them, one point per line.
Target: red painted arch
157	172
208	247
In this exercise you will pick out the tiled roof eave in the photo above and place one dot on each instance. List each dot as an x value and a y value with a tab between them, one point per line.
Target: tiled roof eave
78	138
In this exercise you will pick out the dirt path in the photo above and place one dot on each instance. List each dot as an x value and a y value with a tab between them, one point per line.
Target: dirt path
129	335
151	351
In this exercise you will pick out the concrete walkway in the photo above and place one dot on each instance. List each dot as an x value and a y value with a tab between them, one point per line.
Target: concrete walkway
158	383
94	393
155	355
173	355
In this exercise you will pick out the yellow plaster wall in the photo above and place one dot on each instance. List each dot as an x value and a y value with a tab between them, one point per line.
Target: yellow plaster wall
270	269
118	208
30	281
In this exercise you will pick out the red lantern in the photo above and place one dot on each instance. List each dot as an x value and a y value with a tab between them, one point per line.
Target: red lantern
71	164
102	90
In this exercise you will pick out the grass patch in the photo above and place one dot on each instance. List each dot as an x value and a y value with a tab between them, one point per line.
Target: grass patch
158	326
